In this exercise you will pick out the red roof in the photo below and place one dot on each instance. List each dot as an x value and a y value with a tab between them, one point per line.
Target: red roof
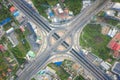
116	54
117	36
12	9
115	45
2	48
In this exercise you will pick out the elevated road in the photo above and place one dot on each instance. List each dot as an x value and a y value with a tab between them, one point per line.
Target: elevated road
31	69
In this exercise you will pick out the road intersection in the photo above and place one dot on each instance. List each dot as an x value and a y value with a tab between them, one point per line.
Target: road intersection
77	24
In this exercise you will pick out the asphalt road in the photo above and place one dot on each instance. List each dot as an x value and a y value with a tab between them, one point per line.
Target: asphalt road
81	20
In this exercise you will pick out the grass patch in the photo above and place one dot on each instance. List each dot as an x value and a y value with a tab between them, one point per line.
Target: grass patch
42	5
21	49
118	26
74	5
112	22
60	71
4	12
92	38
79	78
115	0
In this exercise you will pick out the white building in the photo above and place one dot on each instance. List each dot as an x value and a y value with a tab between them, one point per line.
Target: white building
86	3
12	37
105	65
110	12
112	32
116	6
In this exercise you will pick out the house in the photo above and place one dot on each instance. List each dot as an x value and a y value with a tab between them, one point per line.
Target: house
16	13
86	3
114	44
116	68
22	29
105	65
116	6
112	32
110	13
12	9
105	30
2	49
50	69
1	31
0	6
30	55
12	37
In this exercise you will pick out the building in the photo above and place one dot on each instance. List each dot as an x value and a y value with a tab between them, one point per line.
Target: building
61	14
110	13
22	29
114	44
1	31
2	49
105	65
30	55
116	68
51	70
116	6
86	3
12	37
112	32
105	30
16	13
12	9
0	6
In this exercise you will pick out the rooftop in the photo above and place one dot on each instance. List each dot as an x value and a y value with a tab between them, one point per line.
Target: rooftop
12	9
12	37
116	6
114	44
116	68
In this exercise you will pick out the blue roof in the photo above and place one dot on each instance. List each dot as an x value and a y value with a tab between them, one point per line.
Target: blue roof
51	14
16	13
5	21
58	63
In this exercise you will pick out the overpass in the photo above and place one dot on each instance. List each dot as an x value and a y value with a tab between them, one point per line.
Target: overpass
77	23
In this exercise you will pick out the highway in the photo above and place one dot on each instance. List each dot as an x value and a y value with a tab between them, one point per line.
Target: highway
31	69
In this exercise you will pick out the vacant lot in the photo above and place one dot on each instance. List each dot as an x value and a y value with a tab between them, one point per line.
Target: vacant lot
74	5
21	49
79	78
91	37
60	71
116	0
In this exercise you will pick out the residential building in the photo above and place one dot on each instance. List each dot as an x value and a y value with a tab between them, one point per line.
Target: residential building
110	13
112	32
30	55
114	44
2	48
116	6
12	9
105	30
105	65
12	37
86	3
116	68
